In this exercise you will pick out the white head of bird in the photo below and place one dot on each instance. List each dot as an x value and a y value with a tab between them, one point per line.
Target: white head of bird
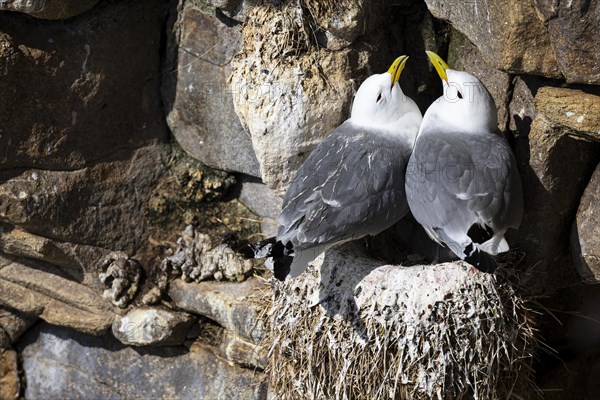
466	104
380	103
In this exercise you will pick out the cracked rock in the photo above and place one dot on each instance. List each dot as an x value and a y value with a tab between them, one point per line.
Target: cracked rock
12	325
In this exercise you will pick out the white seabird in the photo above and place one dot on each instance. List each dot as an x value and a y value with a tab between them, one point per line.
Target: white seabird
462	182
352	184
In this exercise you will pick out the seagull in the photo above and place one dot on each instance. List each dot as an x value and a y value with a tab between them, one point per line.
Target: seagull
352	184
462	182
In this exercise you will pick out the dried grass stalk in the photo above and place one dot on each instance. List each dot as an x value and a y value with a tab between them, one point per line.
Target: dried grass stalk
353	329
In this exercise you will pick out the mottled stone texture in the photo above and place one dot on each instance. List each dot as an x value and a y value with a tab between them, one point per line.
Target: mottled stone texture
152	327
510	34
76	88
585	234
574	29
81	148
66	364
38	289
236	307
557	157
10	384
299	67
197	92
543	37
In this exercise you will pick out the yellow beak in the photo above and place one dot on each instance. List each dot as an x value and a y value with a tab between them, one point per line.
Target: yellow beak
439	65
396	68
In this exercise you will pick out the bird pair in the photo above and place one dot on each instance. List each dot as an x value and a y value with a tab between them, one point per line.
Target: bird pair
451	168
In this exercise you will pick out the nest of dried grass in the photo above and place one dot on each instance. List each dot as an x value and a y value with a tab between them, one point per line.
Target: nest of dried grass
353	329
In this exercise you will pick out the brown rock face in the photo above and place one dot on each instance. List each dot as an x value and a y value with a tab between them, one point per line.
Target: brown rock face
585	235
9	375
574	109
510	34
65	86
574	29
12	325
48	9
98	206
74	111
197	93
543	37
81	149
558	161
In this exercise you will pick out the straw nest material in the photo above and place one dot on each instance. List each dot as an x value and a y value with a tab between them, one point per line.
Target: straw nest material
354	329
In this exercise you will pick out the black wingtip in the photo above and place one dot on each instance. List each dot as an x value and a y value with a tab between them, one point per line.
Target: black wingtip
482	261
281	267
271	247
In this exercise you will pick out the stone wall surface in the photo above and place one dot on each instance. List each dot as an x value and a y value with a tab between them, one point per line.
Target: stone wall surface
122	122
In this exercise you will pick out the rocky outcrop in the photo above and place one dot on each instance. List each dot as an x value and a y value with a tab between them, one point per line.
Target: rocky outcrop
73	257
48	9
42	290
12	325
152	327
197	93
585	234
93	196
531	37
552	191
237	307
10	384
574	27
110	370
278	82
574	109
98	205
44	64
510	35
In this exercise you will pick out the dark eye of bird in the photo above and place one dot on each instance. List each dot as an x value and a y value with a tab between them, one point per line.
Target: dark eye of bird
460	95
379	97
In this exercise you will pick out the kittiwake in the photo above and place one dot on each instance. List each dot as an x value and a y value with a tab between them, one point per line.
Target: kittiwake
462	182
352	183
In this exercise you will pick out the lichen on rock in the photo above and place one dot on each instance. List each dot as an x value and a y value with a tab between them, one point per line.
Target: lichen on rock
122	276
197	259
151	326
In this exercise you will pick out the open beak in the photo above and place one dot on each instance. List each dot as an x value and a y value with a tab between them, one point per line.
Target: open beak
439	65
396	69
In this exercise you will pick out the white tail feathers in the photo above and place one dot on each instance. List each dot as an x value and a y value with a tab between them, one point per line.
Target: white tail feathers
495	245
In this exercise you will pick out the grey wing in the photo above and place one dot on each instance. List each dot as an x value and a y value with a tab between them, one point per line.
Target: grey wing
350	186
455	181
